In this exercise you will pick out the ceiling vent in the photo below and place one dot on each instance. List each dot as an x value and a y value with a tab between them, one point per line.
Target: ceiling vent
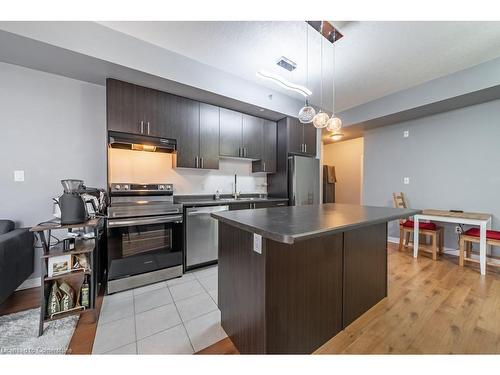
286	64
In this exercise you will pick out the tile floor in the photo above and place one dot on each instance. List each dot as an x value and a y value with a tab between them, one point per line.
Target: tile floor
178	316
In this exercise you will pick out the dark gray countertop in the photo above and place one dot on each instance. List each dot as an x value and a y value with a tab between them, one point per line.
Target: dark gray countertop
209	201
290	224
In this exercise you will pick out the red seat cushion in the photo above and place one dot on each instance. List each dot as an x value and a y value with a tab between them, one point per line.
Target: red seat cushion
411	224
491	234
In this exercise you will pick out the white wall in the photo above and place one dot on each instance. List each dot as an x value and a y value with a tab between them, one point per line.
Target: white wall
52	128
451	159
347	158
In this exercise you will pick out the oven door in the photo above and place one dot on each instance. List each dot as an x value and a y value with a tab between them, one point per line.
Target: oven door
145	244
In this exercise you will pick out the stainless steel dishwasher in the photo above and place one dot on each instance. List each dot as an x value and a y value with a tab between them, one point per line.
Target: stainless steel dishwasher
201	235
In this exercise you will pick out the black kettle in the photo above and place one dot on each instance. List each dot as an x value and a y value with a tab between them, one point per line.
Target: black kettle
72	204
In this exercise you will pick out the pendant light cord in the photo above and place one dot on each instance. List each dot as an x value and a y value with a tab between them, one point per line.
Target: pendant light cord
307	57
321	71
333	73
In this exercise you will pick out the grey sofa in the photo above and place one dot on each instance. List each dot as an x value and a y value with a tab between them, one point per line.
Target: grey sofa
16	257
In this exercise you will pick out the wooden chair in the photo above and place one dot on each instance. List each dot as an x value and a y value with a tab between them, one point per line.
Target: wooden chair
472	236
427	230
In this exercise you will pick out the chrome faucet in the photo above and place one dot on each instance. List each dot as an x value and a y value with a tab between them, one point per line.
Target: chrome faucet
235	194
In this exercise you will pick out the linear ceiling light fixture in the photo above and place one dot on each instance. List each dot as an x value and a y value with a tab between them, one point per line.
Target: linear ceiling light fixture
284	83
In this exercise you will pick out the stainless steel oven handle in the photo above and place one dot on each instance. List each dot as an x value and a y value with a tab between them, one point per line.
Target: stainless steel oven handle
113	223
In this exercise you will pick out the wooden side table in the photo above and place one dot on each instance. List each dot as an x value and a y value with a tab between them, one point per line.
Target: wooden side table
73	278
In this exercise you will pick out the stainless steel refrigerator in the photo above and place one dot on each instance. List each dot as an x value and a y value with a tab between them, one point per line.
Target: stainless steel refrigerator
303	180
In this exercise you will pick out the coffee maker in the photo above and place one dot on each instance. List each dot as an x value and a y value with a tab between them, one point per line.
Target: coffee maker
71	203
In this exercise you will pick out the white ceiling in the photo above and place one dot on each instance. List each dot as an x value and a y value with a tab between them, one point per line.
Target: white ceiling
373	59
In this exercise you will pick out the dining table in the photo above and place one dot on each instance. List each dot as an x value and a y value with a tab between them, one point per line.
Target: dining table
482	220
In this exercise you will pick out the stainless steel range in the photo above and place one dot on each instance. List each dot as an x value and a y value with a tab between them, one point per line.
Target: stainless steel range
145	238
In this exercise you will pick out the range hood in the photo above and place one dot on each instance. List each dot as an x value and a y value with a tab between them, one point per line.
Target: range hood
141	142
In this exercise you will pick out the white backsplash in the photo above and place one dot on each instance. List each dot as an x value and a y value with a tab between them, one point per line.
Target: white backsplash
155	167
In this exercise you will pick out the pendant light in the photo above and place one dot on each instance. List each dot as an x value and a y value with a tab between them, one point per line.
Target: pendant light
334	124
307	113
321	118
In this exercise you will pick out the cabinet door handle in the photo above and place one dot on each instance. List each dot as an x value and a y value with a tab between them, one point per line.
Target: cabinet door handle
201	162
264	166
148	127
244	152
196	162
305	147
142	127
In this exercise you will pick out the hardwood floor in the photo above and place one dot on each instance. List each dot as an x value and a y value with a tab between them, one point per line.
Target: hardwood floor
432	307
224	346
83	337
22	300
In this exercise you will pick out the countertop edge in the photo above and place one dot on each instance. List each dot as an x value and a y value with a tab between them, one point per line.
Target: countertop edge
291	239
201	203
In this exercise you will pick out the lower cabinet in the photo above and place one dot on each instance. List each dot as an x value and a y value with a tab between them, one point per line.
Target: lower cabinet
239	206
270	204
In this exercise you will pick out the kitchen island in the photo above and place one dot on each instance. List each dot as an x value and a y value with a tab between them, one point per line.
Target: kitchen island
291	278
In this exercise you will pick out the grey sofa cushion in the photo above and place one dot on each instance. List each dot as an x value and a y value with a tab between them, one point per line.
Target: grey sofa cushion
16	260
6	226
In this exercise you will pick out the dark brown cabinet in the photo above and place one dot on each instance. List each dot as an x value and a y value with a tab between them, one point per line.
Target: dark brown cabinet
135	109
122	107
270	204
185	120
240	135
209	136
196	129
230	133
239	206
301	138
251	143
267	162
310	139
203	131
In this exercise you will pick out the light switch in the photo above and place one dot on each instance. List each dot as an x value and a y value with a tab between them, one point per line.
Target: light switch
257	243
19	176
406	133
406	180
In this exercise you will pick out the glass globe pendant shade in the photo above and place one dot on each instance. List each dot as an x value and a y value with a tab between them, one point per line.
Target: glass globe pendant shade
334	124
320	120
306	114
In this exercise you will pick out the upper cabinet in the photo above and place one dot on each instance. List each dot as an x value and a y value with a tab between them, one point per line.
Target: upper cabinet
251	144
184	117
267	162
122	111
203	131
301	137
209	136
230	133
240	135
135	109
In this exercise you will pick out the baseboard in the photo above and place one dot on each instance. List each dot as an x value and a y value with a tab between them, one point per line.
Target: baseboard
446	250
30	283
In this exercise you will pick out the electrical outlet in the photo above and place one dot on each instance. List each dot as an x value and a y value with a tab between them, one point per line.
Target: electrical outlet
18	176
406	133
458	229
406	180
